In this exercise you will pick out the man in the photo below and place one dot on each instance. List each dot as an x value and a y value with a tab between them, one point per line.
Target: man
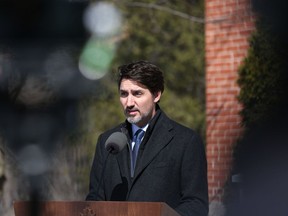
171	163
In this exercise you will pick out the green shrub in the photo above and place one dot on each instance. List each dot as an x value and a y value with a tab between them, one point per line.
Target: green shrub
260	77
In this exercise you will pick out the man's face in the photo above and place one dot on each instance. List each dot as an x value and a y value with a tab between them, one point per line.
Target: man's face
138	102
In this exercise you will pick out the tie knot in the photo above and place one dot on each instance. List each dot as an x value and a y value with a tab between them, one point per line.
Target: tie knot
139	134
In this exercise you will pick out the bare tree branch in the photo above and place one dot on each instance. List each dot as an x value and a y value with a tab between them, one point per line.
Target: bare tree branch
175	12
169	10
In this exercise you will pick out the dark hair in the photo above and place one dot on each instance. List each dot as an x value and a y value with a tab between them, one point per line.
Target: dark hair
142	72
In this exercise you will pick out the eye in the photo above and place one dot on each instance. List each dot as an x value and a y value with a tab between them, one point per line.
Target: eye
138	93
123	94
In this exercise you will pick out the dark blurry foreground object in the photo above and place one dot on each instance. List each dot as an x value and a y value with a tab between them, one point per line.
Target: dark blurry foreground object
51	20
261	155
40	41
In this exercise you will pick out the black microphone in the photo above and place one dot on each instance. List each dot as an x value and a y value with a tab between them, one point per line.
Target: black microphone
116	142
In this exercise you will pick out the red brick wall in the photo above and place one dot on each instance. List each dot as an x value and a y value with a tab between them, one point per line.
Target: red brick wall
228	26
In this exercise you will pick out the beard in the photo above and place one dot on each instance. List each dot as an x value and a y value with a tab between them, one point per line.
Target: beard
138	118
134	119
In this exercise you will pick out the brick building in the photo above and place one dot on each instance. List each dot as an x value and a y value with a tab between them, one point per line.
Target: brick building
229	24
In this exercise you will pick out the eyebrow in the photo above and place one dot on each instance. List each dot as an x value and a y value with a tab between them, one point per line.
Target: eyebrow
132	90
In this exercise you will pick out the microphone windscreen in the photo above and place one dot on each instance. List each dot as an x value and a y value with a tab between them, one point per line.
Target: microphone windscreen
116	142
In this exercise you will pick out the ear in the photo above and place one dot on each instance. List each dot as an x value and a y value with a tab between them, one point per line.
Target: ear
157	96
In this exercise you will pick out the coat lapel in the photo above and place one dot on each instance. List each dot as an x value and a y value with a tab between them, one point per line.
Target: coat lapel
154	145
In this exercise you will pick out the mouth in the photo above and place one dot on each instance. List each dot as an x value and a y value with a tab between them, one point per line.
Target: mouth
131	112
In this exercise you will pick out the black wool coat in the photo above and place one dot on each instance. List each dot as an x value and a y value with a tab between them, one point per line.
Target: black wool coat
171	167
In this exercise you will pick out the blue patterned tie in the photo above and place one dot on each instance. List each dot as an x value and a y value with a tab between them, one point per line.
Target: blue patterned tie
137	139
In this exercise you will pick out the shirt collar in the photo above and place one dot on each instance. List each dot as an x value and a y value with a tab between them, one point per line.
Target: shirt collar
135	128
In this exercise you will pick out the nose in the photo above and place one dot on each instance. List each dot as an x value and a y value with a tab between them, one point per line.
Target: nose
130	101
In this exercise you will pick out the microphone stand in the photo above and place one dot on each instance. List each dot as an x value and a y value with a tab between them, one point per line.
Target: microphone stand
103	172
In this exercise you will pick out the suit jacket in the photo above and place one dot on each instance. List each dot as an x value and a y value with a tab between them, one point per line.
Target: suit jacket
171	167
